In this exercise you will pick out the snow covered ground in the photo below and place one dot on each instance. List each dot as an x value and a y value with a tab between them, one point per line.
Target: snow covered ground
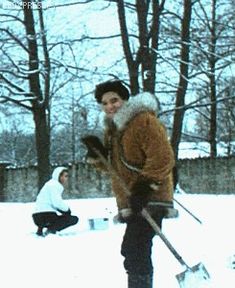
202	149
80	257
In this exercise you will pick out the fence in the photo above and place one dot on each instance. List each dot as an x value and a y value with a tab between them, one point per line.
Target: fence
201	175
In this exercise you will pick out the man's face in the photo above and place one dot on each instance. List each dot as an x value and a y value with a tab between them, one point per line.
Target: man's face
64	178
111	102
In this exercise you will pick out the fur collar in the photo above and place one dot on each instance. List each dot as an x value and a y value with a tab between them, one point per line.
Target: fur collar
136	104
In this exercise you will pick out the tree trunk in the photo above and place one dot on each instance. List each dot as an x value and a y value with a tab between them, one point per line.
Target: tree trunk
212	63
38	105
42	145
146	55
183	83
131	64
183	80
149	42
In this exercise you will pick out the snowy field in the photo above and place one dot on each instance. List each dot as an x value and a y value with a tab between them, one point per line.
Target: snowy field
85	258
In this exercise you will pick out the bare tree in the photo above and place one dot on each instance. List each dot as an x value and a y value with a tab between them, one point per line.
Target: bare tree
41	104
214	46
145	56
35	98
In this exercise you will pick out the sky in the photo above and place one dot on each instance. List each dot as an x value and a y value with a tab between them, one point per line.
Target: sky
97	18
73	22
81	257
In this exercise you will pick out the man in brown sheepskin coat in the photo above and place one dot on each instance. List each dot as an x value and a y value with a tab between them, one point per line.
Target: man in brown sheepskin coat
137	147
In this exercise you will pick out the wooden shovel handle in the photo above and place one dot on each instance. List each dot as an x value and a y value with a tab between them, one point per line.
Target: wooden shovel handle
158	231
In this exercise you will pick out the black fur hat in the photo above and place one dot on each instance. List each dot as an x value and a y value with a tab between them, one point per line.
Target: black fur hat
114	86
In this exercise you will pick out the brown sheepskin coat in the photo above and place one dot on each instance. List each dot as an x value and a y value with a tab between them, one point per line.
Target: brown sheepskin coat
139	147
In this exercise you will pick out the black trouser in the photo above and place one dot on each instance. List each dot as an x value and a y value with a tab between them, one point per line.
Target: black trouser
53	221
137	245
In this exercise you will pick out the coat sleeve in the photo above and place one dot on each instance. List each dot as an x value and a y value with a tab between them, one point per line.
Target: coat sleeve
56	199
159	157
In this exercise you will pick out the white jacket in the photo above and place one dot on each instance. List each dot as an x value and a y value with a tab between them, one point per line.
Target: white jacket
49	198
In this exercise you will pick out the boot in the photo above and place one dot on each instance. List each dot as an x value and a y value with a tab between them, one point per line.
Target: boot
39	231
140	281
49	231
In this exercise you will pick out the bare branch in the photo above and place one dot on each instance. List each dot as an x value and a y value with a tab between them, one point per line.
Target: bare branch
15	39
68	4
190	106
12	16
4	99
13	85
14	74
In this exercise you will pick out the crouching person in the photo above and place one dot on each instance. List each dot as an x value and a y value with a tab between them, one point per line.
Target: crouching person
51	211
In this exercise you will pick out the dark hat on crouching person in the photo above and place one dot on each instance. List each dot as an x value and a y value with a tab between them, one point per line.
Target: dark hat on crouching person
111	86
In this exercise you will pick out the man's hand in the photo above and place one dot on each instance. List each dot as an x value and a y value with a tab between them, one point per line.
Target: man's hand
139	195
67	213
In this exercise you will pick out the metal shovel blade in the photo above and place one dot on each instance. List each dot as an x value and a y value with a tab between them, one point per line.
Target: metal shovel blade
195	277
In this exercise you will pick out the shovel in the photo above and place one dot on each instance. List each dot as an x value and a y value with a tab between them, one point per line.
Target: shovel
193	277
